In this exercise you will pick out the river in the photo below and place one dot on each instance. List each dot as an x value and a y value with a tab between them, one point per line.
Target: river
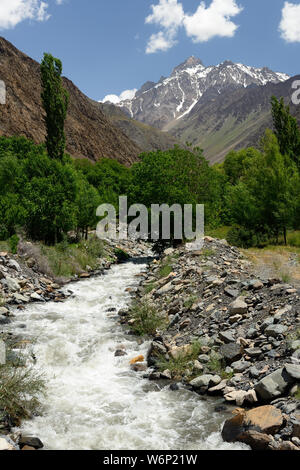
94	401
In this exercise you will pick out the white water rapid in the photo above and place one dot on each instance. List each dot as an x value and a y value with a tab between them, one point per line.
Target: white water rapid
94	401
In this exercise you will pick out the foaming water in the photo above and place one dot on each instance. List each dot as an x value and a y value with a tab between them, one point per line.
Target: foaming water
94	401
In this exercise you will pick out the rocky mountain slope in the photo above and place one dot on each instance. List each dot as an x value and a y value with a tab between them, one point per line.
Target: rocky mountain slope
226	333
162	104
89	132
147	138
235	119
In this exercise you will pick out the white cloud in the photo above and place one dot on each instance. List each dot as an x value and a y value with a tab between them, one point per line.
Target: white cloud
115	99
13	12
212	21
168	14
206	23
290	22
161	41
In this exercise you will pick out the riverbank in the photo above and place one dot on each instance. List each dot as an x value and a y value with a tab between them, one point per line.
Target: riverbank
94	400
23	284
224	332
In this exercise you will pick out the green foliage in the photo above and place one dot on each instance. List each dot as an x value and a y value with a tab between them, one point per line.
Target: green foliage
13	243
179	364
55	101
66	260
20	391
146	320
121	254
286	130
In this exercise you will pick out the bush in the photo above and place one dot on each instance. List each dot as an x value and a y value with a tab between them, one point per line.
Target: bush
20	391
13	243
178	365
146	319
247	238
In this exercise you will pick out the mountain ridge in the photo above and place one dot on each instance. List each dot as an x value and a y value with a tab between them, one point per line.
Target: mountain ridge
163	103
89	132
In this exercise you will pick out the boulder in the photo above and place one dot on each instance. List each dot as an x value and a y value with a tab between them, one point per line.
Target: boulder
33	442
12	284
203	381
238	306
137	359
255	427
274	385
240	366
14	265
293	371
231	352
275	330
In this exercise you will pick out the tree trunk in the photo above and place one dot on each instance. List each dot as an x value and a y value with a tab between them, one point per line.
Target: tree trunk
284	234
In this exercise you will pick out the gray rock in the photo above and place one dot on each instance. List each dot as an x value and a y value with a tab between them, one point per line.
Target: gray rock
227	336
4	311
253	352
4	320
231	352
238	306
204	358
254	372
251	333
240	366
274	385
36	297
232	292
275	330
14	265
293	370
202	381
294	345
12	284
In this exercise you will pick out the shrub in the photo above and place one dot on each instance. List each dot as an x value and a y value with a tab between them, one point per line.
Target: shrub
178	365
146	319
20	391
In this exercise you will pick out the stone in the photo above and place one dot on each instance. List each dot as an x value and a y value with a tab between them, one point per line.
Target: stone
255	427
137	359
36	297
227	336
219	387
231	292
14	265
28	448
31	263
140	367
12	284
240	366
254	372
275	330
240	396
293	371
201	381
166	374
6	444
4	320
120	353
238	306
33	442
253	352
165	289
4	311
231	352
294	345
204	358
273	385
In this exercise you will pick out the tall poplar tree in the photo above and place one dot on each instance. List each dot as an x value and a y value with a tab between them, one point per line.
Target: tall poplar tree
55	101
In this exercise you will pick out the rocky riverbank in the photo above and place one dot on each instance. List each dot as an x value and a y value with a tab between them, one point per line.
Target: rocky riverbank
22	283
227	333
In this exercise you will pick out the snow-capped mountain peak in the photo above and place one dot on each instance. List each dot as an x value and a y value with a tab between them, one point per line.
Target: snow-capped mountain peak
159	104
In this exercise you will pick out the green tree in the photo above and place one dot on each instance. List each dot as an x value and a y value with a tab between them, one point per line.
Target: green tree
55	101
286	130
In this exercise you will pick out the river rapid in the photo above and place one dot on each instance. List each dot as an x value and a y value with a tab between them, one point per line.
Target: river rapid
93	400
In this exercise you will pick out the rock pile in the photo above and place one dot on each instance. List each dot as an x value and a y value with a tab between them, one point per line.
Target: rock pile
247	330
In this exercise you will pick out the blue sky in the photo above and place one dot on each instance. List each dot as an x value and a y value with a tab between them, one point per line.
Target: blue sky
103	43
